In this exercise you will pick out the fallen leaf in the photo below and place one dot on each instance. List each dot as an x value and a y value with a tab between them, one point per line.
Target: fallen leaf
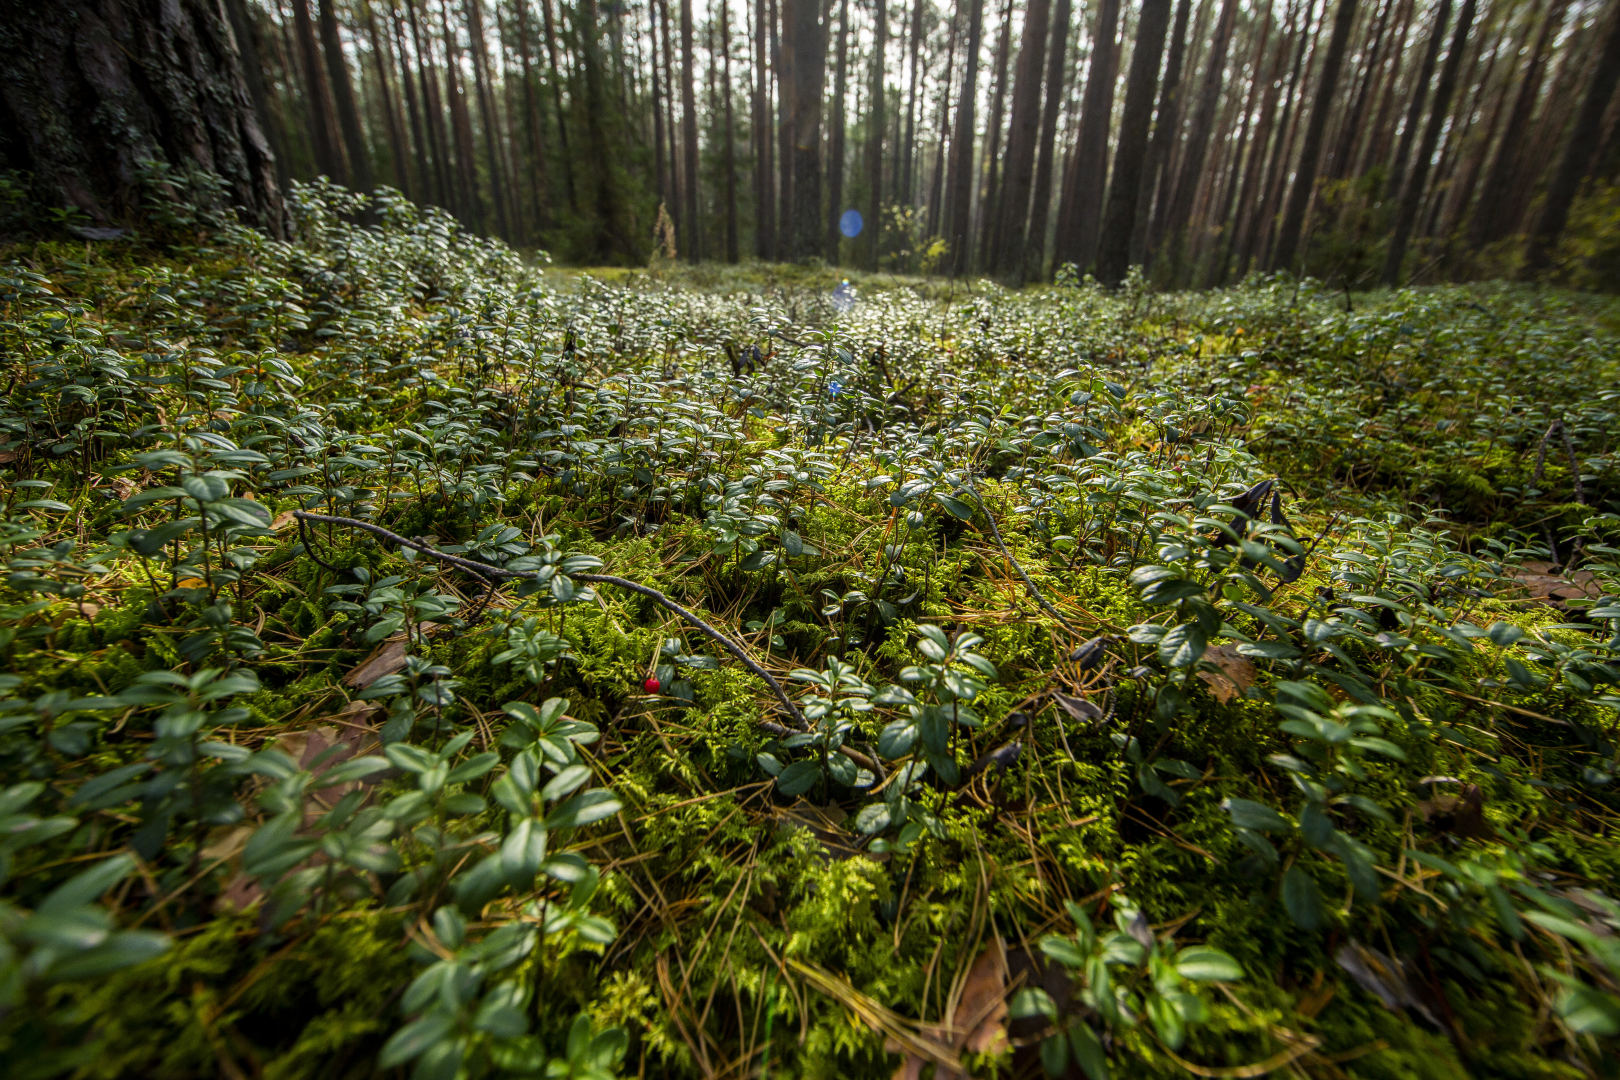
283	520
1540	584
349	733
978	1021
1234	674
388	658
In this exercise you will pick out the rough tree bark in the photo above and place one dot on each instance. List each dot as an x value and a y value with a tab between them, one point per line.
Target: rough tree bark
101	86
1119	218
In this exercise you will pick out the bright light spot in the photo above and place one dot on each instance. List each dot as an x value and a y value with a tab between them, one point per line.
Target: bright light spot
850	223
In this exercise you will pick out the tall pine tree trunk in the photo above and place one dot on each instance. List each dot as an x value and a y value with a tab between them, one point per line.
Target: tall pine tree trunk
1040	201
689	139
1008	245
1310	160
959	197
1418	174
348	113
835	137
1119	219
1579	149
874	139
1080	209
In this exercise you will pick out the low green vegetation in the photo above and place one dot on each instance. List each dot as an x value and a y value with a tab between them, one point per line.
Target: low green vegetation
421	663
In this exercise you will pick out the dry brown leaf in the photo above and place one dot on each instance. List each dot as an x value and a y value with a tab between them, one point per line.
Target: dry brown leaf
978	1022
1540	583
982	1009
353	734
1234	673
283	520
388	658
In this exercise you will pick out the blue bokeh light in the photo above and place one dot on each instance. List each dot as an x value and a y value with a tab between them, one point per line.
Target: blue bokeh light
850	223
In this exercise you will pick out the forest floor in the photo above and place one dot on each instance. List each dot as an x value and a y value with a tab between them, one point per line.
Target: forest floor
417	661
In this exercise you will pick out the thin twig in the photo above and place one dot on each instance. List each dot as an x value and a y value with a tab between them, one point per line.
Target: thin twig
486	570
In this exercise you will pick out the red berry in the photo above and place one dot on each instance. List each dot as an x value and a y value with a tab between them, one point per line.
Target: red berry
651	686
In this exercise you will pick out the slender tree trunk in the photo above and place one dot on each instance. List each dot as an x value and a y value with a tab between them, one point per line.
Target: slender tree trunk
1299	199
988	207
1040	208
348	114
433	109
1119	218
908	151
1247	148
728	149
1196	150
936	182
482	81
835	137
557	102
398	152
959	195
1412	195
1247	212
1414	114
1010	239
689	139
1492	217
782	66
322	110
764	190
470	198
874	139
1578	153
1080	210
1152	207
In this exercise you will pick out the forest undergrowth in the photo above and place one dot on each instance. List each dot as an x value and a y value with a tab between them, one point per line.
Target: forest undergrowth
420	662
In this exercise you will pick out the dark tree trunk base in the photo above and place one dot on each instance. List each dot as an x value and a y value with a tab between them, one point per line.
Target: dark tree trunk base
91	89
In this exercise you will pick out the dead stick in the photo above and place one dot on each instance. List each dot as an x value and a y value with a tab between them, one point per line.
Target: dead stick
485	569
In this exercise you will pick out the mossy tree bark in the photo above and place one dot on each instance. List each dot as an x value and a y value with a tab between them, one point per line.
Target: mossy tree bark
91	89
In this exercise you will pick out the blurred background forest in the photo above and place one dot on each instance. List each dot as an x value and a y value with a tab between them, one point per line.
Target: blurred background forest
1363	141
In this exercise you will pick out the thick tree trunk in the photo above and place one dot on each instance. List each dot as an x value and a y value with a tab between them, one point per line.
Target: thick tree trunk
959	197
804	45
1114	246
1080	211
1007	245
90	93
